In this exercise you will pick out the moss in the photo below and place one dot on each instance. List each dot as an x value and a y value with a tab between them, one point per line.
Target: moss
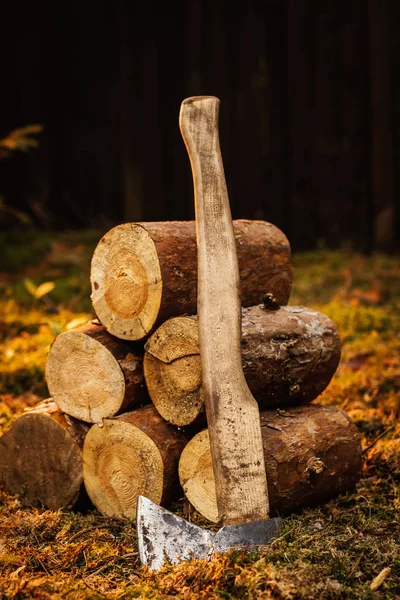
332	551
320	277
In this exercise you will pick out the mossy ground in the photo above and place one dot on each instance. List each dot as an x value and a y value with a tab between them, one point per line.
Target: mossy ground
335	550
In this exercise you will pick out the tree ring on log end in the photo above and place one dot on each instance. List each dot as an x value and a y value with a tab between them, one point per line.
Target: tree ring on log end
196	476
84	378
126	289
312	453
126	281
41	462
121	462
172	371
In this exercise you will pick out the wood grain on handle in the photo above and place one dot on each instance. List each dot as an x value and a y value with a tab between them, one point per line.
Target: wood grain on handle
232	413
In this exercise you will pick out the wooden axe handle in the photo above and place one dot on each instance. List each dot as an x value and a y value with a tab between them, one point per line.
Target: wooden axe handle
232	412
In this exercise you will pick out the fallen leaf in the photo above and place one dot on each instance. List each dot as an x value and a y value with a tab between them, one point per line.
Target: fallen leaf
44	288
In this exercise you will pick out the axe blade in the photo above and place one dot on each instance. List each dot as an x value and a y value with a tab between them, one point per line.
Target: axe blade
163	536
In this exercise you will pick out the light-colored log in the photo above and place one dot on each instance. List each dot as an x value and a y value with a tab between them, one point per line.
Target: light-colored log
93	375
144	273
312	453
41	457
134	454
288	355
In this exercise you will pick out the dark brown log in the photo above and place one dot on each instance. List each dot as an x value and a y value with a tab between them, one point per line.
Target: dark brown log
312	453
289	357
144	273
41	457
92	375
134	454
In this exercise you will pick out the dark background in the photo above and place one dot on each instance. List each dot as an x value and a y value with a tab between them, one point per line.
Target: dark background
309	121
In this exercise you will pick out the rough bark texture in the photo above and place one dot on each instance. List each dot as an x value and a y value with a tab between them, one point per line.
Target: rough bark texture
92	375
134	454
144	273
41	457
289	357
312	453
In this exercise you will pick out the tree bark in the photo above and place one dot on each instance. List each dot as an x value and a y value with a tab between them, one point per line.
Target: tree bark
312	453
134	454
92	375
145	273
289	357
41	457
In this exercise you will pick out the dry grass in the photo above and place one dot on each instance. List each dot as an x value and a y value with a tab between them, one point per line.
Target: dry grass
346	548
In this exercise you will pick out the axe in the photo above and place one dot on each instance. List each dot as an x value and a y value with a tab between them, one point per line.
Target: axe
232	412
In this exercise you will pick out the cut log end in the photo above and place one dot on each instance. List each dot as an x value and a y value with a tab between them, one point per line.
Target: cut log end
120	462
289	356
136	453
175	388
312	453
197	477
84	377
144	273
173	371
41	459
126	281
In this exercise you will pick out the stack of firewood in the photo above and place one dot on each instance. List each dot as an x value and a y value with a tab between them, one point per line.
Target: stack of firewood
126	417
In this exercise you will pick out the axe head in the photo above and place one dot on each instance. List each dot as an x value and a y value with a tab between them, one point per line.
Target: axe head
163	536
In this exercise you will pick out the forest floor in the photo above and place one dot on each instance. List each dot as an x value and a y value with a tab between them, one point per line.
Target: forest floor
348	547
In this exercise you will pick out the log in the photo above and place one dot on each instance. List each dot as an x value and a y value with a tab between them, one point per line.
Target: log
312	453
41	457
289	357
92	375
134	454
144	273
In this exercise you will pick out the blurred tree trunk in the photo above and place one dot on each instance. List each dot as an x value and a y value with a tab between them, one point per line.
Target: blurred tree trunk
381	125
301	119
131	167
